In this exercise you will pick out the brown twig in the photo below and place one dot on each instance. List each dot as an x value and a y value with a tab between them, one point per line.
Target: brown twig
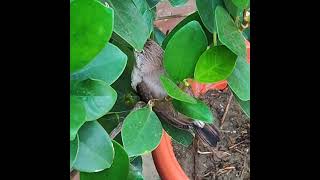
226	111
171	17
225	170
116	130
239	151
200	152
233	146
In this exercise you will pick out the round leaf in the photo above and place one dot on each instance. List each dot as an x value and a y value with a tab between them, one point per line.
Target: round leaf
228	33
176	3
141	132
152	3
242	4
174	91
199	111
91	25
245	105
215	64
183	51
77	116
159	36
97	97
132	22
194	16
233	10
206	10
239	80
118	170
181	136
95	148
74	150
106	66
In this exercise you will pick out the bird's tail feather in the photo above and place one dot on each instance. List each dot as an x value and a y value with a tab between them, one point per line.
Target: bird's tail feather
208	134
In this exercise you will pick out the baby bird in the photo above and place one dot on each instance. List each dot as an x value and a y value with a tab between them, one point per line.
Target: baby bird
145	80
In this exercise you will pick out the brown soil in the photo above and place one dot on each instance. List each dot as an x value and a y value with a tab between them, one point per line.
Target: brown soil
231	158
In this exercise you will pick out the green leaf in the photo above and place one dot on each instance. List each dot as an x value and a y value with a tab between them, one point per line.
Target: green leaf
127	97
131	22
206	9
95	148
199	111
239	80
91	25
177	3
159	36
118	170
97	96
183	51
137	163
77	116
174	91
106	66
141	132
74	150
181	136
242	4
152	3
233	9
215	64
245	105
246	33
134	173
228	33
194	16
135	169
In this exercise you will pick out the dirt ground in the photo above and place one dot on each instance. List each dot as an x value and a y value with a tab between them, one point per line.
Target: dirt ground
230	160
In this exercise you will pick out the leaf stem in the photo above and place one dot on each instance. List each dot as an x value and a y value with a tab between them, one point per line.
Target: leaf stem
214	38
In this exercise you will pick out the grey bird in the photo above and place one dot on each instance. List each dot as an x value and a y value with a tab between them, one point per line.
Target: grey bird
145	80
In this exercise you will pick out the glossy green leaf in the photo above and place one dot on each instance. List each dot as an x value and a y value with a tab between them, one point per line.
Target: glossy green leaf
242	4
183	51
134	173
239	80
215	64
135	169
106	66
234	11
177	3
118	170
245	105
141	132
194	16
206	9
199	111
97	96
132	22
174	91
77	116
228	33
181	136
246	33
91	25
127	97
73	150
159	36
95	148
152	3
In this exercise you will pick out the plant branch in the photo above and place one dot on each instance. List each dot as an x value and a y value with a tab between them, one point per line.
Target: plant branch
226	111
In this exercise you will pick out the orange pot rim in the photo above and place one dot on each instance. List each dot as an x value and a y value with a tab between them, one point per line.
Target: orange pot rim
165	160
